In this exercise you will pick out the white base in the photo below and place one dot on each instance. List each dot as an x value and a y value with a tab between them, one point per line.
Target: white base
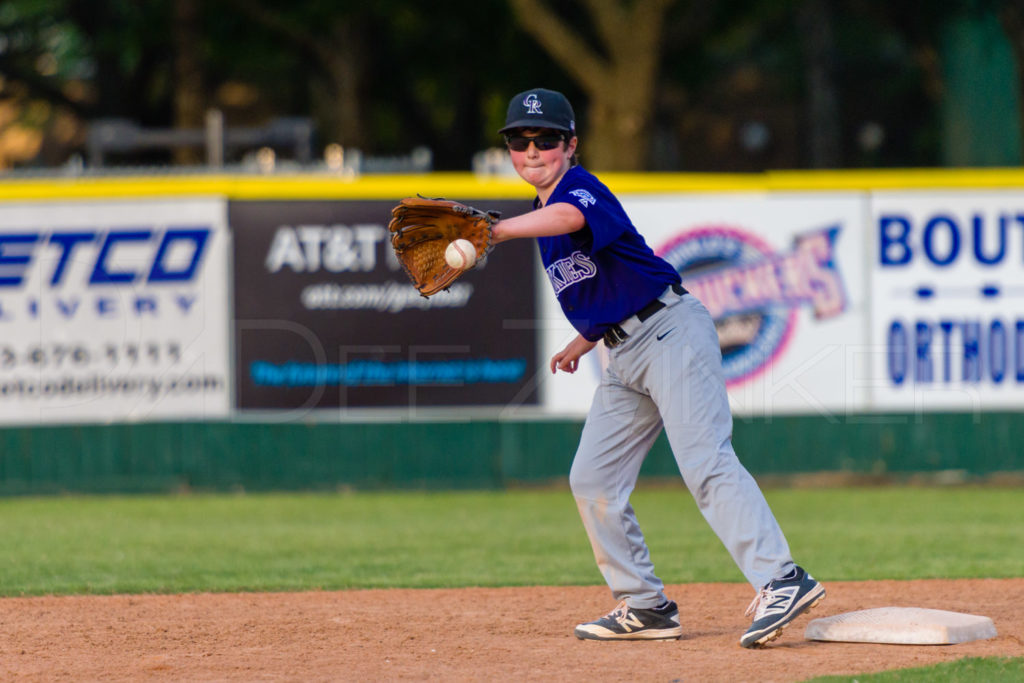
901	626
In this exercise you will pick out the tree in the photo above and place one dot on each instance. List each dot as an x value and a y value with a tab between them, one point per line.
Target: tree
42	94
190	101
388	76
618	69
815	20
335	43
730	85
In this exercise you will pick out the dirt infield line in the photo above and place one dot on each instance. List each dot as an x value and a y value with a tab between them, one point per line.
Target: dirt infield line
462	634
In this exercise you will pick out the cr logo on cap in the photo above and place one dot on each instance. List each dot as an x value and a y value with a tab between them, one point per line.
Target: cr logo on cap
532	104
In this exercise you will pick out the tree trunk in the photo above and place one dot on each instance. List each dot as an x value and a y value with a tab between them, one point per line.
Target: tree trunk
815	21
619	137
620	80
189	100
342	60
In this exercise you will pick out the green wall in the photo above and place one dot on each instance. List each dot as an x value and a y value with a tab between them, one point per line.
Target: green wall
319	456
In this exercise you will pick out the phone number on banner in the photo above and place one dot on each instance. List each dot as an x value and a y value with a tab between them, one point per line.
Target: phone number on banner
73	355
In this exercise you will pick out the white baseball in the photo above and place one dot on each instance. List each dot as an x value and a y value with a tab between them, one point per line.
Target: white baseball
460	254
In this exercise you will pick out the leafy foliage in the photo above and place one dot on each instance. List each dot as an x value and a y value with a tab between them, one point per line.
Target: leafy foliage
732	85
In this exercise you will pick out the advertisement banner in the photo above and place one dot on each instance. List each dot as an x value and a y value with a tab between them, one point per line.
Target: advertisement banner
113	311
948	292
782	275
325	318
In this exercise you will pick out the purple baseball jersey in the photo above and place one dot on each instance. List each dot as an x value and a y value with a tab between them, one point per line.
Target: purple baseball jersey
605	272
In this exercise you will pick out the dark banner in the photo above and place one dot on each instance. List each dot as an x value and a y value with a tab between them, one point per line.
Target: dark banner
326	318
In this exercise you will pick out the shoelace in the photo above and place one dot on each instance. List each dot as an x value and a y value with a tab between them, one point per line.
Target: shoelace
619	613
761	600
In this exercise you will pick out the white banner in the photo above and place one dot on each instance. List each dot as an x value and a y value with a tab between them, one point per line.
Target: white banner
948	292
783	277
113	311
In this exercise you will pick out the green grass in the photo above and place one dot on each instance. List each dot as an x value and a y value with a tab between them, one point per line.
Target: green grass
967	670
70	545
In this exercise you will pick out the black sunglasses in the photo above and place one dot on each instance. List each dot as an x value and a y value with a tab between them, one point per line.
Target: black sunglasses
520	143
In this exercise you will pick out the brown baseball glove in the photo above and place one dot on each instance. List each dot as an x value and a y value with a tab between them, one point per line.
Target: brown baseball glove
421	230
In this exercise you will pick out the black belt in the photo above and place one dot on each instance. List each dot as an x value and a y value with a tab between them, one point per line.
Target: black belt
616	334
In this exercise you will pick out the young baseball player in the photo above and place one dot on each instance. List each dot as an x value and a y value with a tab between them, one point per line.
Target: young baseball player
664	371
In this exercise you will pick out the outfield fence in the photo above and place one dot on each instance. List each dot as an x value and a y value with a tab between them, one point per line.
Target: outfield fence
219	332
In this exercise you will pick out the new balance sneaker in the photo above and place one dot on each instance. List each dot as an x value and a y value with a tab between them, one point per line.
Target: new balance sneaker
631	623
779	603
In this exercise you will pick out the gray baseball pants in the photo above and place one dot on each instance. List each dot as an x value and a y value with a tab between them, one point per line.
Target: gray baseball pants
669	374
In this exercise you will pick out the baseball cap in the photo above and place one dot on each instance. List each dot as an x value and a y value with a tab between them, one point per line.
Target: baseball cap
540	108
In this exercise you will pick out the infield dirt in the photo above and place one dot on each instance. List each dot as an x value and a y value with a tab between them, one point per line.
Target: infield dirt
473	634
